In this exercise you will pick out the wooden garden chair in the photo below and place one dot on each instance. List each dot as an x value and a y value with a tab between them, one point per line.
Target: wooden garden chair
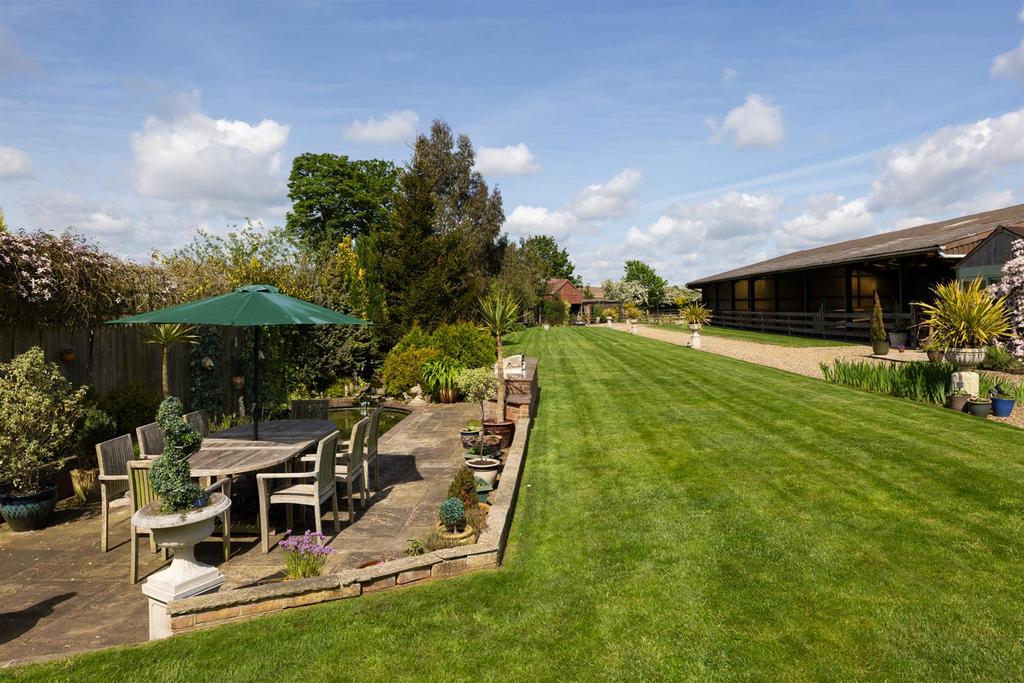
142	494
372	434
151	440
301	488
350	466
112	456
310	409
198	421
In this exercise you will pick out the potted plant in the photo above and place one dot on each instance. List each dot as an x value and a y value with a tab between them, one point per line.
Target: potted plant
491	447
96	428
979	407
933	350
182	515
439	375
965	319
39	410
485	468
879	340
478	385
453	528
609	315
696	315
470	432
1003	401
500	314
957	400
483	490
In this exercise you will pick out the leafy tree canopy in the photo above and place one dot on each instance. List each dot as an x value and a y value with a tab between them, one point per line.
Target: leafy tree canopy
644	276
555	259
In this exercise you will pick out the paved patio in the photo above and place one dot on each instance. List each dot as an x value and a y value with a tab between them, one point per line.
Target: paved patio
59	594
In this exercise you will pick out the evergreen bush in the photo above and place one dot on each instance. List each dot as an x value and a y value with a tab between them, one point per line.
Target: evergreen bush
170	475
463	487
878	334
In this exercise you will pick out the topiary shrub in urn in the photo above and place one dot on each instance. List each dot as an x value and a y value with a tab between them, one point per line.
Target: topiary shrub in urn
39	411
879	338
453	528
171	476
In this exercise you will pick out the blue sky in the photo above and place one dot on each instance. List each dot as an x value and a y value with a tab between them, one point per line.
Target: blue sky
698	136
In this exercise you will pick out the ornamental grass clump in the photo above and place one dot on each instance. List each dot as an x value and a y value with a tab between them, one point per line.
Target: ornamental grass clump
170	475
696	314
39	410
917	381
305	555
965	315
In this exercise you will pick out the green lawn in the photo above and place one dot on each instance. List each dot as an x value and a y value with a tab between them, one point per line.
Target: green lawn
687	516
760	337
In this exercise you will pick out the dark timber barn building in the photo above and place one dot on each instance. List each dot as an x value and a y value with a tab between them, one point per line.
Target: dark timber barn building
828	291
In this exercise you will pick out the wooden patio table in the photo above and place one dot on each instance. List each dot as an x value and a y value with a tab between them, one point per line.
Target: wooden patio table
232	452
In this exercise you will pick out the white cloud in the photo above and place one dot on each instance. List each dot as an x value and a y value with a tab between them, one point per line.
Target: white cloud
229	166
14	163
1010	64
827	218
616	197
502	161
537	220
733	213
397	126
949	165
755	123
729	75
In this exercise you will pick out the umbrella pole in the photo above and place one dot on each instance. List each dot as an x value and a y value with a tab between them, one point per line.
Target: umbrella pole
256	384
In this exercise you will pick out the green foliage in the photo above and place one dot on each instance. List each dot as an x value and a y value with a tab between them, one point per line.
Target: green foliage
170	475
335	199
555	259
452	514
477	384
38	413
131	406
403	370
463	487
610	313
965	315
466	343
917	381
97	427
433	261
696	314
166	335
440	374
500	314
416	548
1000	359
878	322
555	312
645	276
205	371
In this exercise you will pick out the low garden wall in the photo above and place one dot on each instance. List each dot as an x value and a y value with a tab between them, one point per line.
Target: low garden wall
210	610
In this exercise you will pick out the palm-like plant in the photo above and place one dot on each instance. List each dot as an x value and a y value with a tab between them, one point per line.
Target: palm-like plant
165	335
696	314
965	315
500	314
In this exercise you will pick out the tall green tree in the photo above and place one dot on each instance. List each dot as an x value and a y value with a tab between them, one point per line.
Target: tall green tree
555	258
645	276
434	259
336	199
524	274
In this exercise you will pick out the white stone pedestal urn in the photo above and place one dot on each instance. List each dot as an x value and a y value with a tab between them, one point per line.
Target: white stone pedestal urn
694	336
179	532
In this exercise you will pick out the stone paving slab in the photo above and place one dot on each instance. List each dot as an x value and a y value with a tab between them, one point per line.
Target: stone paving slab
60	595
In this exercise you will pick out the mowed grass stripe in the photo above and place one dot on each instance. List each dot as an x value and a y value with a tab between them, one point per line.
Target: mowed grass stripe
689	516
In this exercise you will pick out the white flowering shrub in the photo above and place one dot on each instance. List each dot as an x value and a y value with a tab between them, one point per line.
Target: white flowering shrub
1011	285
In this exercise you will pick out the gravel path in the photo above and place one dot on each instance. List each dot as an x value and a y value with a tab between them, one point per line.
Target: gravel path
802	361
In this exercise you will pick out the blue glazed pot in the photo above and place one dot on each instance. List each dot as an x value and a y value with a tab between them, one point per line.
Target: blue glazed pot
1002	407
25	513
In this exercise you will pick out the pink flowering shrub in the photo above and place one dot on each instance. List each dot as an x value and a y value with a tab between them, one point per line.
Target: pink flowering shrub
1012	287
65	280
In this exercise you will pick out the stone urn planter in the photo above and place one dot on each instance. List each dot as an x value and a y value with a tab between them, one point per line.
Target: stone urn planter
28	512
957	403
934	355
186	576
506	430
880	348
966	359
485	468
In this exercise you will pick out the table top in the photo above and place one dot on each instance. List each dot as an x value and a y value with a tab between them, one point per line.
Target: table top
234	452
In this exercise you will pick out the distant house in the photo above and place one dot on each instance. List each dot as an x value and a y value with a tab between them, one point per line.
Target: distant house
829	290
580	306
987	259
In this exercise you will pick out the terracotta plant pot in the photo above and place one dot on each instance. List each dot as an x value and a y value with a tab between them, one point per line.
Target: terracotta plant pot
935	356
879	348
86	484
506	430
28	512
67	356
447	395
957	403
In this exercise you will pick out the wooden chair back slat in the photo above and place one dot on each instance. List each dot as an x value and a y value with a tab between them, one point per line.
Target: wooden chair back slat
326	454
373	432
357	444
113	456
151	440
198	421
138	483
310	409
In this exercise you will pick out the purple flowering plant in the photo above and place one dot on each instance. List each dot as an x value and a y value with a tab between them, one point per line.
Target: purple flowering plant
305	555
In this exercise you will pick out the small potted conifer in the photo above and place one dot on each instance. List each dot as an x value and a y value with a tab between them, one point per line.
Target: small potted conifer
879	339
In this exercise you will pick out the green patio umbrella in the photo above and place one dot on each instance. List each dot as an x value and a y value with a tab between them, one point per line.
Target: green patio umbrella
248	306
